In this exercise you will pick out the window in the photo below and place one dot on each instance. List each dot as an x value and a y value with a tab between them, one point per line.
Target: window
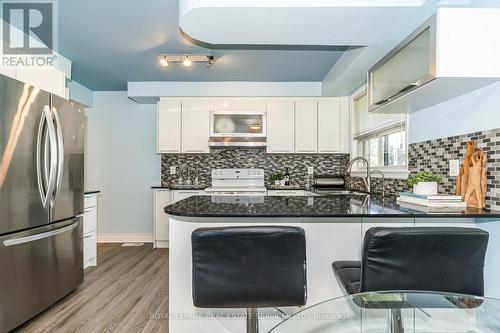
381	138
385	149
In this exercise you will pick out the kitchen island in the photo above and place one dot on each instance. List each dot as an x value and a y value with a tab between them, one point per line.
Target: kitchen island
334	227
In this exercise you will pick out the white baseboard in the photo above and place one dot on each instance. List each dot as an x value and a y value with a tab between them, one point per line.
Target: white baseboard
160	244
124	238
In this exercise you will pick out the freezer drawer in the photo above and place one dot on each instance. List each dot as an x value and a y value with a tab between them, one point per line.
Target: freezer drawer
38	267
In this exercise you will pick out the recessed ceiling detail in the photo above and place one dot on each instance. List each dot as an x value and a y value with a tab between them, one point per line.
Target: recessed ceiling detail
116	49
300	22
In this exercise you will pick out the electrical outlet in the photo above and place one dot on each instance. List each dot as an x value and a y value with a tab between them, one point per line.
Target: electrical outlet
454	168
173	170
310	170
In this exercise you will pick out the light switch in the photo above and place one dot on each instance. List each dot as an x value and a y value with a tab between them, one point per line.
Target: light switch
454	168
310	170
173	170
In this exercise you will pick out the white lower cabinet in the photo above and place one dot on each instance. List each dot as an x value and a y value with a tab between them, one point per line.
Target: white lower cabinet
286	193
90	218
162	198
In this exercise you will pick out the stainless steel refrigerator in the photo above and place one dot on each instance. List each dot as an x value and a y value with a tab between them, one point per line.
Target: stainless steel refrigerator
41	200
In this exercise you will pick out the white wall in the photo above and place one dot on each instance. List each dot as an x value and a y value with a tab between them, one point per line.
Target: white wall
472	112
122	162
81	94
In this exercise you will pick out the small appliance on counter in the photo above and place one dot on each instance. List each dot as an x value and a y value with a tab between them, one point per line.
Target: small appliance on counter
327	184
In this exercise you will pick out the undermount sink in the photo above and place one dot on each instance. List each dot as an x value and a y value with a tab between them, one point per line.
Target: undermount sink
334	192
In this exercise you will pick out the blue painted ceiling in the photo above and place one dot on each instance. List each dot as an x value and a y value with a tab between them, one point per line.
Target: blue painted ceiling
112	42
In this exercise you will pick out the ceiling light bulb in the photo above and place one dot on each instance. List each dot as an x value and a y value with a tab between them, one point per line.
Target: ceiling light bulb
187	62
164	61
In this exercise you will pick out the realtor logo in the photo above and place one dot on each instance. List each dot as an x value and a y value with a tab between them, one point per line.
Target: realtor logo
29	35
28	27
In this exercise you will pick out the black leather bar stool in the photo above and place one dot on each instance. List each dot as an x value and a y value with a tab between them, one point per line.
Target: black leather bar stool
438	259
441	259
249	267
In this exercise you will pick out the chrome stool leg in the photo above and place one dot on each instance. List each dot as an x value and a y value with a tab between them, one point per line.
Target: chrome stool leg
395	321
252	322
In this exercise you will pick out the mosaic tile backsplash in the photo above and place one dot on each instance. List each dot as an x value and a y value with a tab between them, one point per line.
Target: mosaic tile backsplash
432	155
252	158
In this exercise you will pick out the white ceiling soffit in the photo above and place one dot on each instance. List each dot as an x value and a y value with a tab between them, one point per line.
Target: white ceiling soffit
299	22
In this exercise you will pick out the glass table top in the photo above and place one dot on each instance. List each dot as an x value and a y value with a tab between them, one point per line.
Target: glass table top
397	312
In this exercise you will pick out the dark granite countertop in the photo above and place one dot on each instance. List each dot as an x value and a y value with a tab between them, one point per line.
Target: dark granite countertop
92	192
181	187
355	205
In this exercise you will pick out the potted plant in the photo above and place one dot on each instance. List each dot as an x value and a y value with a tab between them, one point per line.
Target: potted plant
277	178
425	183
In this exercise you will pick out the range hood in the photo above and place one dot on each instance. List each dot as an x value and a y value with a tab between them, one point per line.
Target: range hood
237	141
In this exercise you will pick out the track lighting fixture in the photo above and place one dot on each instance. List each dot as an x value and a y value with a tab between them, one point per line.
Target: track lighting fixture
186	59
186	62
164	61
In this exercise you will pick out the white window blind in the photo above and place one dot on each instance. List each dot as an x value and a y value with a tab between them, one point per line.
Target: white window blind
381	138
369	123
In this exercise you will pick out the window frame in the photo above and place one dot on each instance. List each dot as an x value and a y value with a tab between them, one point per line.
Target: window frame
394	172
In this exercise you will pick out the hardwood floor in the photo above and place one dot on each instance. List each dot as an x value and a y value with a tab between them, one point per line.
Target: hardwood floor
126	292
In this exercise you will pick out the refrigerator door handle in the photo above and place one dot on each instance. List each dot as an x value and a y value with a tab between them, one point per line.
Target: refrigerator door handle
60	150
46	182
32	238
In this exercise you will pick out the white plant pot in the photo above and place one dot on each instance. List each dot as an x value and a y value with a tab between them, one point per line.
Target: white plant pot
277	182
426	188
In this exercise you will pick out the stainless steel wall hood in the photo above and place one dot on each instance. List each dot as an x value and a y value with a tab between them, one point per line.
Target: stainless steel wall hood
237	141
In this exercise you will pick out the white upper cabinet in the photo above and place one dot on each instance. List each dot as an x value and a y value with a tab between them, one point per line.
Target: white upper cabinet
169	126
450	54
333	125
405	70
302	126
329	124
195	126
306	127
280	126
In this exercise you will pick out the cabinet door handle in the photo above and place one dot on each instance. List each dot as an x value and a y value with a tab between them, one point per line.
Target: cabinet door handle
87	236
88	210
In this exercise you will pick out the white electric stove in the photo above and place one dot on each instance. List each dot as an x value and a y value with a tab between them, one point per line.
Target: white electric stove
237	182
